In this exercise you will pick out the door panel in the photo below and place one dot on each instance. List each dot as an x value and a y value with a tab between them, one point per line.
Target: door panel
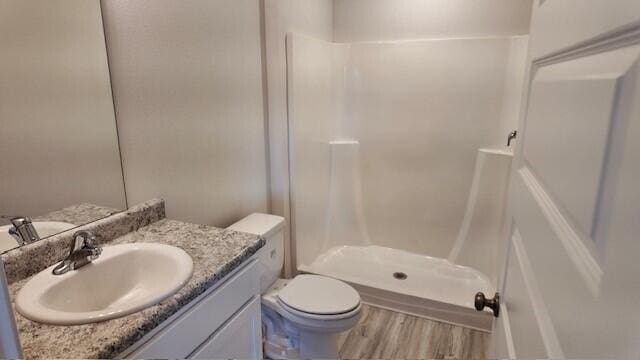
571	112
524	324
574	198
568	265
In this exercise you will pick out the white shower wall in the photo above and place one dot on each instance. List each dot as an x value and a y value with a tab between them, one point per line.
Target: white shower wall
419	111
315	76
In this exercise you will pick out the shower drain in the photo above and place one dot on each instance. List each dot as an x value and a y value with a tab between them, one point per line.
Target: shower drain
399	276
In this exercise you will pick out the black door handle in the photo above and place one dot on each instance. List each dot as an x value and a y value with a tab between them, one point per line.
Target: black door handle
481	302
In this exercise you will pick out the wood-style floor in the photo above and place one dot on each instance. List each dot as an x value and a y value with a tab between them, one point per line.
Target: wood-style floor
385	334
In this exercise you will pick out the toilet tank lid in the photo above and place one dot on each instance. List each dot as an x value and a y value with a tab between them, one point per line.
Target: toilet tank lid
259	224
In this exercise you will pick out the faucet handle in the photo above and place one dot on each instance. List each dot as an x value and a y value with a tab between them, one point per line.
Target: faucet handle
19	221
82	253
82	239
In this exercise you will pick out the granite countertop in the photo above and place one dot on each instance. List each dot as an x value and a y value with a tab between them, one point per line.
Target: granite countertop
78	214
215	253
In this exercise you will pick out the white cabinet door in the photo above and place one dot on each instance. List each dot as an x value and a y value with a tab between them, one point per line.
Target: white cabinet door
240	338
572	288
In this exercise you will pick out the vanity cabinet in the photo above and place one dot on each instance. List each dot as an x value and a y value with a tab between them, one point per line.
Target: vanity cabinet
224	322
240	338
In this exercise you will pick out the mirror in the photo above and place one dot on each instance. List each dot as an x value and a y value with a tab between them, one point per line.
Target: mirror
59	156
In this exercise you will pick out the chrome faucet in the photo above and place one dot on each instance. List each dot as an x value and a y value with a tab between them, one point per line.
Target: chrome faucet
80	254
23	228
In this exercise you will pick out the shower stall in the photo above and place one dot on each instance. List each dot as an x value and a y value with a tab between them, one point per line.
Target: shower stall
398	170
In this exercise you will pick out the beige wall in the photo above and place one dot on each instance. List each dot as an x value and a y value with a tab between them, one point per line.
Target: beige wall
188	88
313	18
58	139
373	20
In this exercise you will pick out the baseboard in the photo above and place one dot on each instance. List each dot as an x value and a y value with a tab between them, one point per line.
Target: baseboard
426	308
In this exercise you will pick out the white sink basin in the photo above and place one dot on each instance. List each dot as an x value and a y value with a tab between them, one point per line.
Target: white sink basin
124	279
43	228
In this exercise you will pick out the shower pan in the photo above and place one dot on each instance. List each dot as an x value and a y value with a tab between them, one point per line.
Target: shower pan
439	288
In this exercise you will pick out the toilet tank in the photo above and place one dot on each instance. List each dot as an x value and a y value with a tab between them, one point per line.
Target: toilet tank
271	255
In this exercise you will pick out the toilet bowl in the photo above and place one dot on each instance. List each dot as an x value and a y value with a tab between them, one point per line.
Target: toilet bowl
311	325
301	317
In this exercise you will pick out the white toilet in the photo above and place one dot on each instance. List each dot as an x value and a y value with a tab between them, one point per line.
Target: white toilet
301	317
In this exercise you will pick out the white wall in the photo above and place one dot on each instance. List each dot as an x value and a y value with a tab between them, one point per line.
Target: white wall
58	139
421	110
316	93
513	90
188	87
374	20
313	18
483	236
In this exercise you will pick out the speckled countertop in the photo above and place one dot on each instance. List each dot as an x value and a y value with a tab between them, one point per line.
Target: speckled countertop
78	214
215	253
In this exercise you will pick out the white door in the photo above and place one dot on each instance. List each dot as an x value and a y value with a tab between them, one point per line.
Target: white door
572	282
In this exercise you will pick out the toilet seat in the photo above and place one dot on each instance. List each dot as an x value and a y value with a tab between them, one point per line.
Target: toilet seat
319	297
302	314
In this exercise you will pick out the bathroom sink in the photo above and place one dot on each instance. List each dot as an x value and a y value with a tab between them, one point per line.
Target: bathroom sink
43	228
124	279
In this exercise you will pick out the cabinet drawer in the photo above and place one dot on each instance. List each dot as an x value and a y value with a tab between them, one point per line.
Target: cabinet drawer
240	338
193	327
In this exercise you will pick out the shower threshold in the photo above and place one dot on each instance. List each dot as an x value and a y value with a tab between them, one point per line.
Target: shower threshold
419	285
